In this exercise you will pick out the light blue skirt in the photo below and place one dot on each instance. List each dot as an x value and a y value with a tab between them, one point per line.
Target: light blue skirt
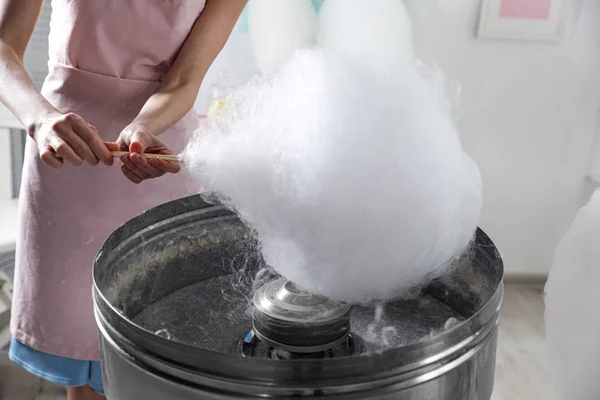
60	370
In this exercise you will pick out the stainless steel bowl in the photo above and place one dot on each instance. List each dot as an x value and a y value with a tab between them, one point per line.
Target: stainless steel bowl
175	291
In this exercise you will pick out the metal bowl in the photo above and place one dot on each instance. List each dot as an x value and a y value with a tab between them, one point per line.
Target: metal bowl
173	291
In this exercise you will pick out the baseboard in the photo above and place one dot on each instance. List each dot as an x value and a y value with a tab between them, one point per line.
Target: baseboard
526	279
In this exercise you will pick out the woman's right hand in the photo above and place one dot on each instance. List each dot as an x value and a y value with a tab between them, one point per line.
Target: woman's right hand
69	137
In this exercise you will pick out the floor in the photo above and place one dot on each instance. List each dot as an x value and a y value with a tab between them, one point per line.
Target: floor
522	371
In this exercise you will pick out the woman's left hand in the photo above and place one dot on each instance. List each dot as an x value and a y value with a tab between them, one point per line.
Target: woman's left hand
137	140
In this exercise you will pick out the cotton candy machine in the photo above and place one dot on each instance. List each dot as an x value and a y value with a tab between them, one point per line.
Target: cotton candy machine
187	310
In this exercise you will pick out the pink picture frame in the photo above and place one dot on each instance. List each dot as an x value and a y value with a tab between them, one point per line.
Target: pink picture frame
532	20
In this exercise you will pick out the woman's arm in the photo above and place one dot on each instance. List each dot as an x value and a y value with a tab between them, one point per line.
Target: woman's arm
18	93
179	88
59	137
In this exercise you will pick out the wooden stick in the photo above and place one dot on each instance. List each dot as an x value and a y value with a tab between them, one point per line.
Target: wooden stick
149	156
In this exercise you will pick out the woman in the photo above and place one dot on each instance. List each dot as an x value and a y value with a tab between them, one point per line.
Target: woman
121	73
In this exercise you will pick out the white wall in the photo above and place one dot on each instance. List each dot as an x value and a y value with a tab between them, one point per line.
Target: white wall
529	116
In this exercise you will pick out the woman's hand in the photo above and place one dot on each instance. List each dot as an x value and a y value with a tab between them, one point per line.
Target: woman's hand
69	137
137	140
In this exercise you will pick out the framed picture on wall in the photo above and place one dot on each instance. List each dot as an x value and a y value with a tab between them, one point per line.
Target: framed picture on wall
532	20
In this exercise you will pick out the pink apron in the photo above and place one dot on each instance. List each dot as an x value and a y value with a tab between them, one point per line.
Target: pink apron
106	58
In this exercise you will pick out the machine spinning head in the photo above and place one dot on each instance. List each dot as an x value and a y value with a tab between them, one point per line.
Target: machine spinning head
294	323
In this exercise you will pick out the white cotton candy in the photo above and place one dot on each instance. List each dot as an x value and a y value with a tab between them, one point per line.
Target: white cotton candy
278	28
352	176
376	29
572	300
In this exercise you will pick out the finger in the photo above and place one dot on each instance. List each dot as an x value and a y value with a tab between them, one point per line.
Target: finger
123	146
93	140
134	168
137	147
130	175
63	150
112	146
78	145
140	142
143	164
165	166
49	158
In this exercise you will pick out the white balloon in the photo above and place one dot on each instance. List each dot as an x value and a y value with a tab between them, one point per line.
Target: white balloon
278	28
377	29
572	298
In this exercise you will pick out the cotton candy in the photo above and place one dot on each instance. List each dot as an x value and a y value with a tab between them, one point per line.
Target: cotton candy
352	175
572	299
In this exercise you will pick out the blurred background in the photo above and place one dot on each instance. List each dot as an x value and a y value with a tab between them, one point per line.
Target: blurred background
530	114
